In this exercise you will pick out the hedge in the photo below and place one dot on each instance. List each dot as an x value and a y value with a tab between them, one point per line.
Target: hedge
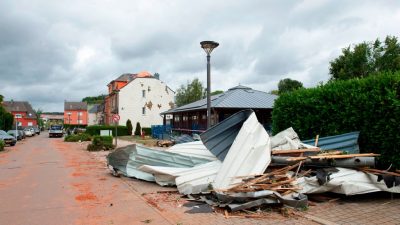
2	144
146	130
370	105
95	130
78	137
101	143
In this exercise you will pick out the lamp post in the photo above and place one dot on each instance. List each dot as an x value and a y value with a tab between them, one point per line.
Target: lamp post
208	47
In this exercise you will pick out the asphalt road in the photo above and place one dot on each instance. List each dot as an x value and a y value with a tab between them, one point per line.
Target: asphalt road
46	181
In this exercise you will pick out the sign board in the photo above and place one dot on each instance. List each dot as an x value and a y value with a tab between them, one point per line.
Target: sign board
116	117
105	132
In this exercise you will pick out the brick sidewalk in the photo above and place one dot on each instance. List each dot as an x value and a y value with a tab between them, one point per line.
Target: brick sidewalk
375	208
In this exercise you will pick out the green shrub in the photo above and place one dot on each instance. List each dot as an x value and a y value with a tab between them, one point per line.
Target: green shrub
129	126
146	130
370	105
2	144
78	137
95	130
101	143
138	129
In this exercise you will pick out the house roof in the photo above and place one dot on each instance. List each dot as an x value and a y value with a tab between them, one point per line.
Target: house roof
20	106
128	77
93	108
75	106
239	97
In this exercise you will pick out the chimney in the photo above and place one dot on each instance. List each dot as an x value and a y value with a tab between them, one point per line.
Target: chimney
157	76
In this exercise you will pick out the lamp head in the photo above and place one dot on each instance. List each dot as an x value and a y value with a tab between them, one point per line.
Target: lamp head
208	46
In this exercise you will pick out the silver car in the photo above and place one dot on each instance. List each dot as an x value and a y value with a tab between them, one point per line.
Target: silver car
28	132
8	139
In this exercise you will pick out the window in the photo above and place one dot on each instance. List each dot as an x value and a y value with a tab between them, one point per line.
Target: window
144	93
144	111
80	113
80	122
176	118
30	124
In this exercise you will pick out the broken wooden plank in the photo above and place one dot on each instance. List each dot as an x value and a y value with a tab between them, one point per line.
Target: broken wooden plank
277	152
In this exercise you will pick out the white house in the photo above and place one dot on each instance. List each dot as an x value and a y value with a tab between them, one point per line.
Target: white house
142	100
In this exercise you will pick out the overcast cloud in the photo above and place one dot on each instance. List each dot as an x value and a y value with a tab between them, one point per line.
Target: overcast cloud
51	51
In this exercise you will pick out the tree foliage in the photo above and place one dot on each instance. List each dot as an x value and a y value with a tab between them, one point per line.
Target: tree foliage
192	92
370	105
216	92
366	58
94	99
6	118
129	126
287	85
138	130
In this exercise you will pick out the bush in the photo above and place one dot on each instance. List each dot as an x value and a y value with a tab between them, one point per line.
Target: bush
95	130
78	137
129	126
101	143
138	129
146	130
370	105
2	144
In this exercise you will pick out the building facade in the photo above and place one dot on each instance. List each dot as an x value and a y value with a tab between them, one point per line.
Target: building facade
141	99
23	113
75	113
95	114
192	118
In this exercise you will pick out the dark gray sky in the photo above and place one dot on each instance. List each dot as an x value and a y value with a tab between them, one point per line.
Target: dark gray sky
56	50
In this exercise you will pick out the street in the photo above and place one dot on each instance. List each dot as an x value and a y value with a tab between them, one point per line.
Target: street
45	181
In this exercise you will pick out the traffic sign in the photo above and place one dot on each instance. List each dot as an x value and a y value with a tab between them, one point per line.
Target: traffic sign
116	117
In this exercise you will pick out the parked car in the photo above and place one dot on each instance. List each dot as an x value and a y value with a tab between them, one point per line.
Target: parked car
32	130
28	132
8	139
22	133
37	130
78	130
15	133
56	131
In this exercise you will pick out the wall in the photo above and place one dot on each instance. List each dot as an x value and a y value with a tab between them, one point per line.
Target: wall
73	118
131	102
24	122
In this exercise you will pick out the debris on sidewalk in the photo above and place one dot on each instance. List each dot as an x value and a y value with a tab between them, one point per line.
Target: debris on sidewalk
238	166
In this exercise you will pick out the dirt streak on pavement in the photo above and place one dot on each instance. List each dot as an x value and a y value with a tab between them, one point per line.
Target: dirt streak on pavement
46	181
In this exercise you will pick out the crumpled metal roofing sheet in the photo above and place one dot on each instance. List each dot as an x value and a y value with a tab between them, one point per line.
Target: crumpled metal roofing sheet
195	148
219	138
345	142
250	154
129	158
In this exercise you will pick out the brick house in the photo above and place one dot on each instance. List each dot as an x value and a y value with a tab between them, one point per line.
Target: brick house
75	113
22	111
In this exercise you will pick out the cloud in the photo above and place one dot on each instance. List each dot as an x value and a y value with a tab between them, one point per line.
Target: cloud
51	51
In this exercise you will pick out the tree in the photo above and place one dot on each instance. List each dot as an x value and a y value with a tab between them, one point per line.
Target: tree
216	92
287	85
39	120
138	130
129	126
94	99
366	58
190	93
6	118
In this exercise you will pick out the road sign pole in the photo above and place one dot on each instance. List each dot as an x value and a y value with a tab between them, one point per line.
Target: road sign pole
116	134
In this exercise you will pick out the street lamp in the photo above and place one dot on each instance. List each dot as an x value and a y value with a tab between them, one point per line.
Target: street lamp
208	47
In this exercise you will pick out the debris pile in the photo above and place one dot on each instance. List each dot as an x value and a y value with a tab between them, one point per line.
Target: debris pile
237	165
